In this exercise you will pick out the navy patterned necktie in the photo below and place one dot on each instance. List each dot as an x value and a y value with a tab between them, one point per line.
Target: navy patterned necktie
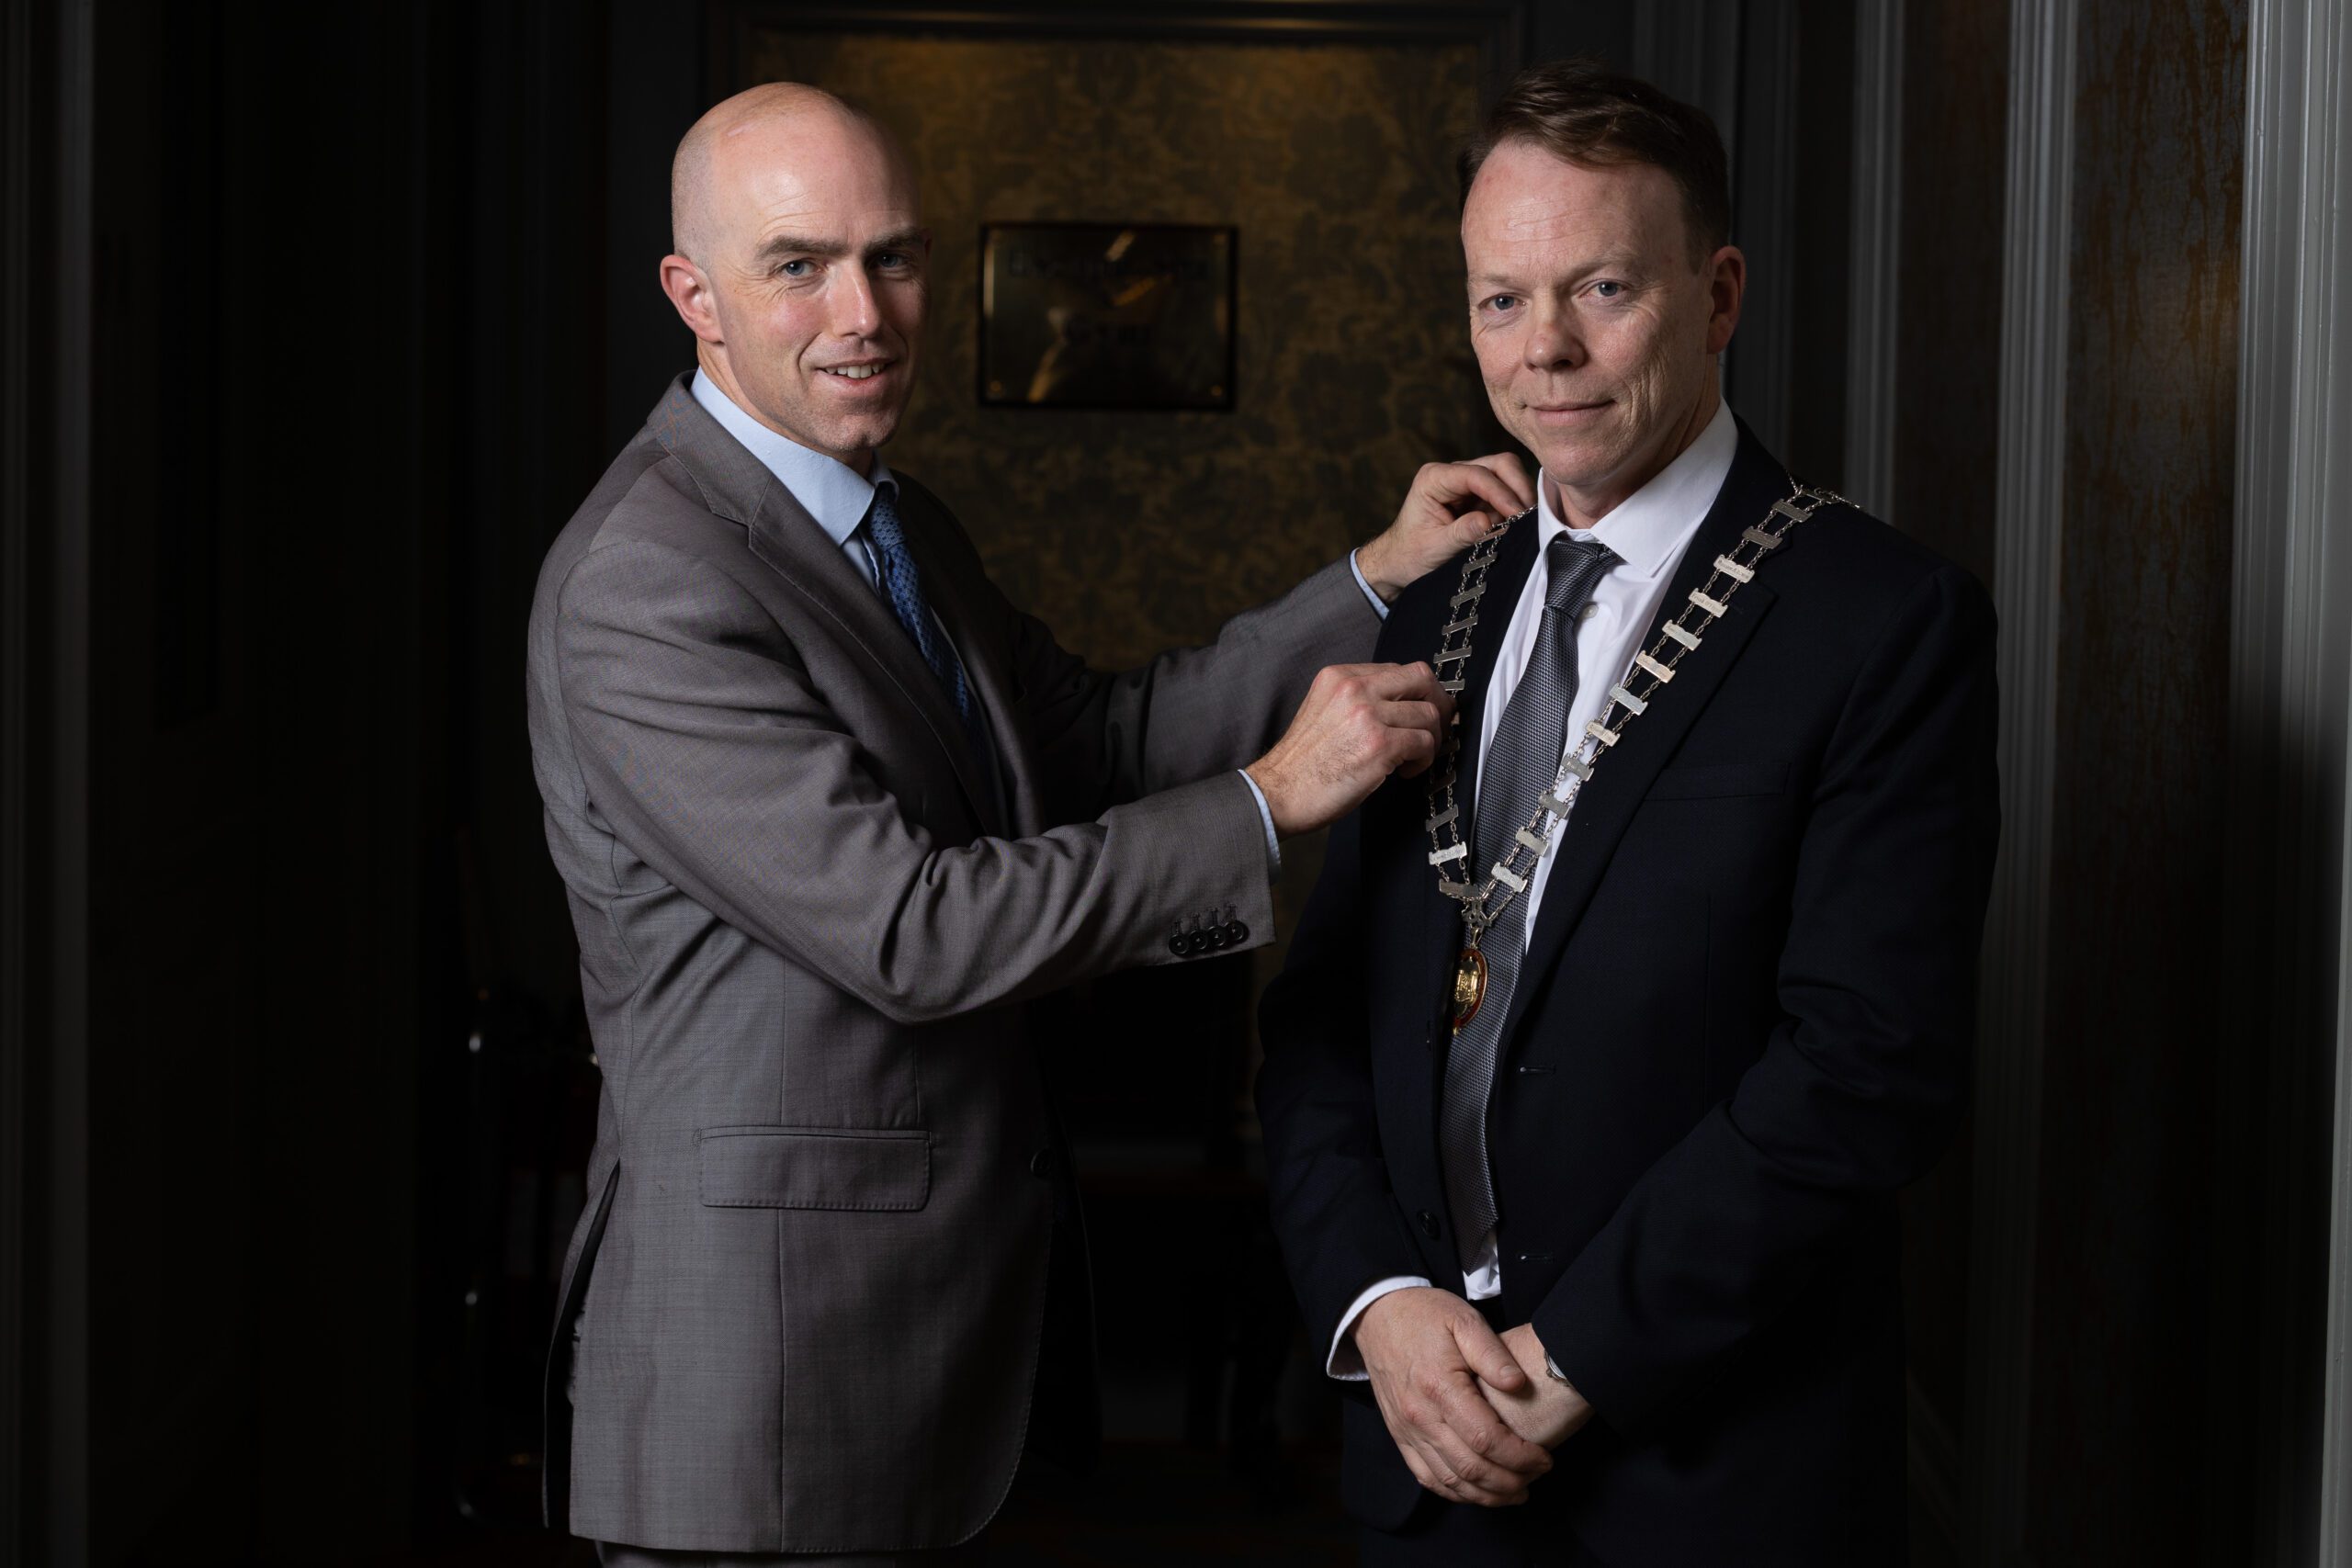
902	586
1520	767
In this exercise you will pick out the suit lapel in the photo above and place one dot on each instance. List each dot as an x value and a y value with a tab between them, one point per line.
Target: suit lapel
738	487
1622	777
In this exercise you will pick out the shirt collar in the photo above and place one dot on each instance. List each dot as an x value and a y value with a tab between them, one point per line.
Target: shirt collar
1649	528
829	489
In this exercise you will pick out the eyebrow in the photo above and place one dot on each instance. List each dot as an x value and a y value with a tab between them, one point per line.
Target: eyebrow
1608	261
802	245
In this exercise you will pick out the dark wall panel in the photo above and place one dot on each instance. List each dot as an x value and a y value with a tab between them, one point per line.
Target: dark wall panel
2136	872
1947	324
1955	97
266	520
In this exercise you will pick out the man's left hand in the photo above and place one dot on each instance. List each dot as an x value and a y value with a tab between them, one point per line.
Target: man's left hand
1451	507
1546	1412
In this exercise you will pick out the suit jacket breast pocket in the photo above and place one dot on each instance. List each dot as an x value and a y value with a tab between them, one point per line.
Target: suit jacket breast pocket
1716	781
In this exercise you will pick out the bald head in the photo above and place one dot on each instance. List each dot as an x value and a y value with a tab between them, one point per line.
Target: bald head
800	266
723	147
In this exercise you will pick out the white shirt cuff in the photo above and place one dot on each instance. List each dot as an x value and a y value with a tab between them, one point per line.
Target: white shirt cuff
1343	1363
1379	605
1483	1280
1265	816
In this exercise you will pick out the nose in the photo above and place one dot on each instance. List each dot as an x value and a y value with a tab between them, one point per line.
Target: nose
1554	343
856	313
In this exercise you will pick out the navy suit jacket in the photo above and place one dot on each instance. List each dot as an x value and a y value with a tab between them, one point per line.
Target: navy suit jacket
1743	1022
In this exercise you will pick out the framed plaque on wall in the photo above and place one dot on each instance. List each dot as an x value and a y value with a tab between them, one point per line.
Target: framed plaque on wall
1107	315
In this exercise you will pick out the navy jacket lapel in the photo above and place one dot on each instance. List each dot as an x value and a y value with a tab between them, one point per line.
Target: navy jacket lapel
1623	775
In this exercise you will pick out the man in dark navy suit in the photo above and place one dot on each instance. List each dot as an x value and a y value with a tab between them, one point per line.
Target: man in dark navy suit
1604	1046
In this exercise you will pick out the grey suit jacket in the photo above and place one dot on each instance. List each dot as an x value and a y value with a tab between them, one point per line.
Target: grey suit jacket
809	1281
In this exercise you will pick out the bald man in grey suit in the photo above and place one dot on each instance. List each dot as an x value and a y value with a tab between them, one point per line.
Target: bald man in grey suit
830	811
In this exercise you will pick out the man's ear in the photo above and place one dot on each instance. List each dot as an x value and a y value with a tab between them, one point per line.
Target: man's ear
690	291
1726	287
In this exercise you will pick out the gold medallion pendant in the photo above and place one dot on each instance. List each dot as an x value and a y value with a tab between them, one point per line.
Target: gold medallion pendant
1469	986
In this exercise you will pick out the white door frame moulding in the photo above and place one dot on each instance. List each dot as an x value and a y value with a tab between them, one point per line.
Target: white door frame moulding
2291	700
2029	514
1876	251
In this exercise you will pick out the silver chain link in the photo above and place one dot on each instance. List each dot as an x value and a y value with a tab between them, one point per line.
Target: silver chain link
1654	667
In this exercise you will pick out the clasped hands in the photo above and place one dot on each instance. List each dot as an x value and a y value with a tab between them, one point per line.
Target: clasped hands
1473	1412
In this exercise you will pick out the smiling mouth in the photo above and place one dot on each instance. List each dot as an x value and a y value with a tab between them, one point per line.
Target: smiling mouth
866	372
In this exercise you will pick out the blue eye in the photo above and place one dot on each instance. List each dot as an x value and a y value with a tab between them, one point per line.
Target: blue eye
787	268
1607	289
1502	302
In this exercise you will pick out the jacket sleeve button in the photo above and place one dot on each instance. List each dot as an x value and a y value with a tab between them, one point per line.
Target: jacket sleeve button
1177	945
1236	932
1428	1224
1041	1164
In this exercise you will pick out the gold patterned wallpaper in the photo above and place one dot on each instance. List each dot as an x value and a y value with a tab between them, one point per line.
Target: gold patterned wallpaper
1131	531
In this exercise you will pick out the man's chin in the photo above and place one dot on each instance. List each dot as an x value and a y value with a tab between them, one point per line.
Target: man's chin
1578	467
850	443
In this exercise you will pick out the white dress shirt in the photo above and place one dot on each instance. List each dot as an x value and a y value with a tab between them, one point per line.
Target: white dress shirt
1649	530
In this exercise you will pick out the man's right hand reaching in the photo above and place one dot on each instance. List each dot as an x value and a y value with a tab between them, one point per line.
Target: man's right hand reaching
1359	724
1426	1350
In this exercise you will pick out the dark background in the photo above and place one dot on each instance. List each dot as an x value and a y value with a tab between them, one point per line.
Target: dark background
318	323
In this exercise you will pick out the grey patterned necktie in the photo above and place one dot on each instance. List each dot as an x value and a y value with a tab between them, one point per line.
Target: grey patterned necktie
1520	767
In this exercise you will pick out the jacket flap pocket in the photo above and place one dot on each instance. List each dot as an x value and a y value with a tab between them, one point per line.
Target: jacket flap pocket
811	1167
1708	781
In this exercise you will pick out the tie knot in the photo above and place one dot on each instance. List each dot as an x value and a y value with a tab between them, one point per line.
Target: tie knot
1577	566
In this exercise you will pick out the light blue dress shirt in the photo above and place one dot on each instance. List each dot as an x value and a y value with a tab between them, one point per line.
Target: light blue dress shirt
829	489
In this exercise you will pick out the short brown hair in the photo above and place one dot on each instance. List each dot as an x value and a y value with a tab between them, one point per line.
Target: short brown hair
1579	110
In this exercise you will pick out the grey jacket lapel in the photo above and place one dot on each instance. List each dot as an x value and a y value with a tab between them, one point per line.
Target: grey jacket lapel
737	486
